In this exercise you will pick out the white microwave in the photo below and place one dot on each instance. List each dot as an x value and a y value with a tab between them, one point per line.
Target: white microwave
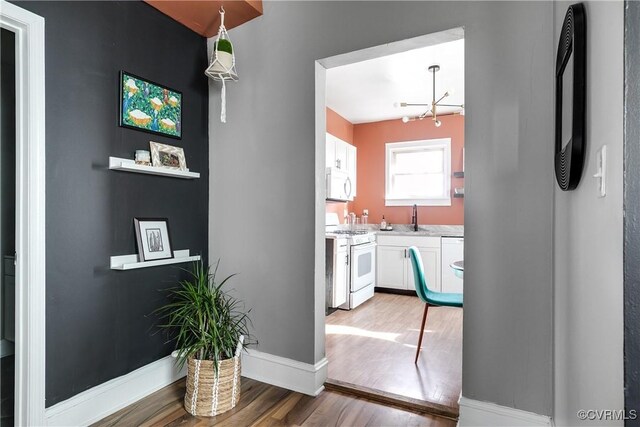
339	185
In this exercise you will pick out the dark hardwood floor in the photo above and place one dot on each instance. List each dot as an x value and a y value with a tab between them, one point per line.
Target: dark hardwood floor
373	347
264	405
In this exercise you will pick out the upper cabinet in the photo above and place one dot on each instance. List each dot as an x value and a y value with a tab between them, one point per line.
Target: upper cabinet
342	155
202	16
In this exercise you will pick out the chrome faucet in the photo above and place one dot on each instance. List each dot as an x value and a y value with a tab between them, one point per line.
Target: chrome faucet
414	218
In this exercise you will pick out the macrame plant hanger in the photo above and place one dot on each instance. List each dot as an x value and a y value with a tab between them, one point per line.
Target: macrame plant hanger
222	65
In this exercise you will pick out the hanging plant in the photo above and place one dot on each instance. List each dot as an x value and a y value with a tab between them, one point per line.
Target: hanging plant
222	65
223	46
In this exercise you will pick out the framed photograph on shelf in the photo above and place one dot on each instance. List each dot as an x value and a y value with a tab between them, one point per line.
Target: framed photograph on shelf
167	156
152	235
149	106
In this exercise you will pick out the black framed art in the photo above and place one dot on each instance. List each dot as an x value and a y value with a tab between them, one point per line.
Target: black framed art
149	106
153	239
571	84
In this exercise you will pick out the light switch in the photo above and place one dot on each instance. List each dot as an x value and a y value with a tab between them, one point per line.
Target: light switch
601	171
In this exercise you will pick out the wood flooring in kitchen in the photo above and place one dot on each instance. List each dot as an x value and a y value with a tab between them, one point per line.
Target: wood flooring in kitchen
265	405
374	347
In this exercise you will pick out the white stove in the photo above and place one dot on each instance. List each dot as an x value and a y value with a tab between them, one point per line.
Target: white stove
359	237
361	263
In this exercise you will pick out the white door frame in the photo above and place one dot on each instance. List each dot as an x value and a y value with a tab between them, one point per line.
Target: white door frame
30	212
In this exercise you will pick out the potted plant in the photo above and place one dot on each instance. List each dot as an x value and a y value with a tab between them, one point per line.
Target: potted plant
223	56
209	327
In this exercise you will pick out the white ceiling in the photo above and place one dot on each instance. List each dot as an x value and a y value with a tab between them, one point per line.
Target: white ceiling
367	91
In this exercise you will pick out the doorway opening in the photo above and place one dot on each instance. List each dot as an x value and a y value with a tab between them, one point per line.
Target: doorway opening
29	203
390	127
7	225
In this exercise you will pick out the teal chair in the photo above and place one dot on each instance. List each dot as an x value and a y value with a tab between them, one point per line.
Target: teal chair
427	295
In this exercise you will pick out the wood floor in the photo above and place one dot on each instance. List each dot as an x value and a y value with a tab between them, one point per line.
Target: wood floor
264	405
374	347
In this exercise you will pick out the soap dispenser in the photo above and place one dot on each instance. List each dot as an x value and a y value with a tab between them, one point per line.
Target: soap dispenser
383	224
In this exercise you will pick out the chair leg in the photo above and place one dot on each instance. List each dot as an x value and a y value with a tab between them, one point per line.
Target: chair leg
424	320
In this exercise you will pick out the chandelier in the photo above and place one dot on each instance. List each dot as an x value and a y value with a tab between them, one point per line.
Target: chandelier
433	105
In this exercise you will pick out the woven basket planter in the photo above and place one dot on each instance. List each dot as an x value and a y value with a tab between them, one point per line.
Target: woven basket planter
210	393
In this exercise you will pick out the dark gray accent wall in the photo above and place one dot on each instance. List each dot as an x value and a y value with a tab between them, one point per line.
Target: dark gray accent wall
632	210
7	145
509	181
99	323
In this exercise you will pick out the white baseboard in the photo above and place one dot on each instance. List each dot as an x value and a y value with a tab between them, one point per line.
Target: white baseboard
287	373
474	413
105	399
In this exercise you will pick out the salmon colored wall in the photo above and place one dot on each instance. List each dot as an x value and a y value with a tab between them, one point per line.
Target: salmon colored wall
341	128
370	139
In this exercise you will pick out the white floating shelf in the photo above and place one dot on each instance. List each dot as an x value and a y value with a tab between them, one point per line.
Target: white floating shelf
130	262
129	165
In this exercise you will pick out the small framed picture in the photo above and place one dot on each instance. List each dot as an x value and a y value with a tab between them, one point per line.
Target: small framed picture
152	235
167	156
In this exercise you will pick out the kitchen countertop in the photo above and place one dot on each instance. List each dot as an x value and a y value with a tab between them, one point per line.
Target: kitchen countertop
423	230
407	230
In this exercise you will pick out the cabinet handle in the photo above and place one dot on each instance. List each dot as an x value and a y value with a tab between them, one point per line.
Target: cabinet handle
405	253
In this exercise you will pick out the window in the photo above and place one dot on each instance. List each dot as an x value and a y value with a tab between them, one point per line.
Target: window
418	172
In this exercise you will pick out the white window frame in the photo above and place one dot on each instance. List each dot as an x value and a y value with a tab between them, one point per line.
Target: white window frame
391	147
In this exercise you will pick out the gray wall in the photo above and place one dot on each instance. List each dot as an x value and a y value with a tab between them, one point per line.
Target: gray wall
99	322
632	208
588	294
263	205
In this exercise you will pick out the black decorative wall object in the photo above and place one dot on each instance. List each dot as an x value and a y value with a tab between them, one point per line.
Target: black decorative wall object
571	75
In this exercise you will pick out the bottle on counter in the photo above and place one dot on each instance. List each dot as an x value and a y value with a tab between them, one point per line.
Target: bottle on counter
383	224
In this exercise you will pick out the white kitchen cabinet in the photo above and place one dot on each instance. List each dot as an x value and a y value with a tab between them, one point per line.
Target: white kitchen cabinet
394	269
330	148
351	163
340	290
391	267
337	272
431	262
342	155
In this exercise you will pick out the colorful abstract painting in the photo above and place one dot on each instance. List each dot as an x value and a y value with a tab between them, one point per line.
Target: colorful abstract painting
150	107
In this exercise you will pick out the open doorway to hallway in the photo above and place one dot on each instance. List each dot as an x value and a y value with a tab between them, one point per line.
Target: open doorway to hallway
7	225
394	174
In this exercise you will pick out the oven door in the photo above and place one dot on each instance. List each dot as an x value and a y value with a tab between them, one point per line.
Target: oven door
363	266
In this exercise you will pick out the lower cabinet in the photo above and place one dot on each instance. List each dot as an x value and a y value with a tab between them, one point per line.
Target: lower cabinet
391	267
394	268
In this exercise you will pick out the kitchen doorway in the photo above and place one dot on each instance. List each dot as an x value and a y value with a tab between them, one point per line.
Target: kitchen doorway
394	178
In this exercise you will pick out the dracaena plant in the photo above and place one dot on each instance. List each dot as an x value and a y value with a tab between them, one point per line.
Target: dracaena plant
205	321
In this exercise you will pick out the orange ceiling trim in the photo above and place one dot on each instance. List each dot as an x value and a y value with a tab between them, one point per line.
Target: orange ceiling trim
202	16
